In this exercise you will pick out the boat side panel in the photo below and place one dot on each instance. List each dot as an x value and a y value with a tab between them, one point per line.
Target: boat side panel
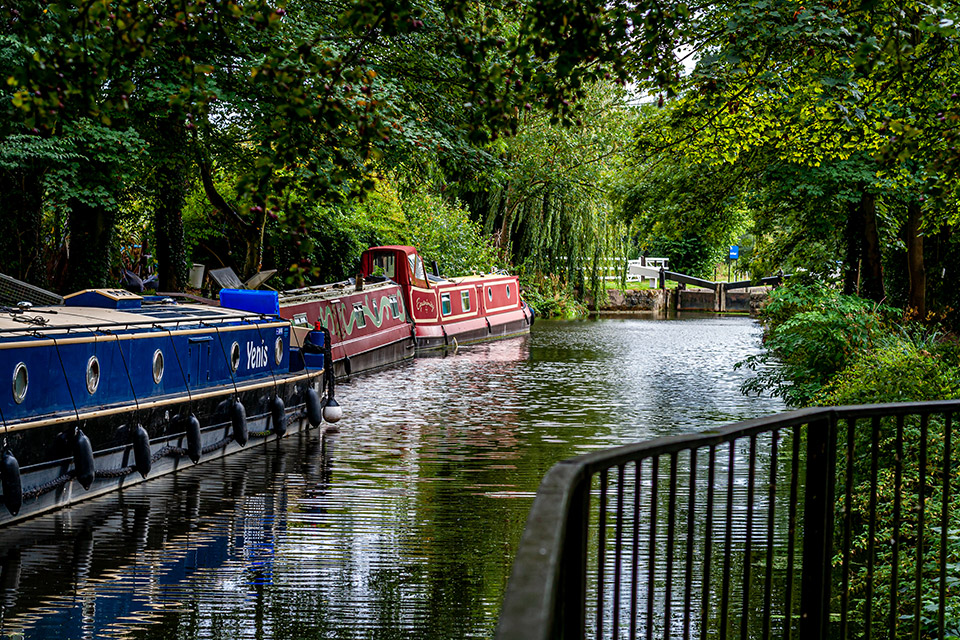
384	322
424	305
192	361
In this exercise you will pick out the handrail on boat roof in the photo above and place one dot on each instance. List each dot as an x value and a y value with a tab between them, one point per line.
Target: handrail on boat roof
157	322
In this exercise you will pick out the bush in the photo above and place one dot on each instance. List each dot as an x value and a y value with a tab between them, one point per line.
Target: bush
690	254
897	371
550	296
901	369
811	333
829	349
329	244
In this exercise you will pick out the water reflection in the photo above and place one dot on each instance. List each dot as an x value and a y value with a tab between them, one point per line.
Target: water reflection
403	524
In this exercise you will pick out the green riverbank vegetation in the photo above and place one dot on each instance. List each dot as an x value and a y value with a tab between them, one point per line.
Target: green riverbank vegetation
826	348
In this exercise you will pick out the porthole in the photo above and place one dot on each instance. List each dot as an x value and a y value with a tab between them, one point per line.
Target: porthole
278	350
490	294
20	382
93	375
234	356
508	292
157	366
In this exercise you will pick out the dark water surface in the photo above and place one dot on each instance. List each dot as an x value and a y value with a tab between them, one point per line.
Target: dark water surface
402	525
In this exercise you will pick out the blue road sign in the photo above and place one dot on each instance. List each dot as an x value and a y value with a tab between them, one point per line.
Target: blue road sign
734	252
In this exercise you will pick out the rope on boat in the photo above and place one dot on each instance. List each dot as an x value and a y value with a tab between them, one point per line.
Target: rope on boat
47	487
169	450
119	472
217	445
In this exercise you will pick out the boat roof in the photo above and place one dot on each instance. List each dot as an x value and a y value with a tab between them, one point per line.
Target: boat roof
63	319
332	291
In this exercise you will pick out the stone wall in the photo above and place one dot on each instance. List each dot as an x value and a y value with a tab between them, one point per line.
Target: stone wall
660	301
632	300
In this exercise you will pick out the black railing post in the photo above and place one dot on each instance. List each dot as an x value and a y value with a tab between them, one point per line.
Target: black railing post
572	595
818	512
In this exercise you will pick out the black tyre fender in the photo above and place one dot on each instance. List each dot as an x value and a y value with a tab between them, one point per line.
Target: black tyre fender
314	408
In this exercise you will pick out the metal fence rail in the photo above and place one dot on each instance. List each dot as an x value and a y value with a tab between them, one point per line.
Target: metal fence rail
828	522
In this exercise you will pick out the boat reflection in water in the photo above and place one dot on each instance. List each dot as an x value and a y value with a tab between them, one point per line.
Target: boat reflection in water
174	550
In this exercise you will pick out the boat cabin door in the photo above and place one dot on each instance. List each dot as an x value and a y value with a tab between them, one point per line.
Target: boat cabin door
405	267
199	350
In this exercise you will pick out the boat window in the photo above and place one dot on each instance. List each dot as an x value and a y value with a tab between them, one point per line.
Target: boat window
417	274
465	300
445	304
157	366
93	374
359	315
20	382
384	264
234	356
278	351
300	320
394	306
508	291
373	305
490	294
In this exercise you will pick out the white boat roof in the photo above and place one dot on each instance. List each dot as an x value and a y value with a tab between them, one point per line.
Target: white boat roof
65	319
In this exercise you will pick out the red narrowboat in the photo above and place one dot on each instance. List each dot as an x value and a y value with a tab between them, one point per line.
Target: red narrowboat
367	320
450	311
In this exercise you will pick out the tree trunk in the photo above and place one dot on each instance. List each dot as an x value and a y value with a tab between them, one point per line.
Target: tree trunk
171	183
252	232
91	238
852	235
254	239
20	244
871	282
916	298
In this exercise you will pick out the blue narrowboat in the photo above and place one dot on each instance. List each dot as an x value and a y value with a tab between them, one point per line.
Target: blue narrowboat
112	388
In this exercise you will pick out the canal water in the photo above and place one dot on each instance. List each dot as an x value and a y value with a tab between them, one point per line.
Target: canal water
403	524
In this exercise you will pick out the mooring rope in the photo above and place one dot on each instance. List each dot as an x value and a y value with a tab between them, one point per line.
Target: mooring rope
127	371
47	487
226	359
66	379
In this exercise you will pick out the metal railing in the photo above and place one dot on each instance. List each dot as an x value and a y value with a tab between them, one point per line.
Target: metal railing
827	522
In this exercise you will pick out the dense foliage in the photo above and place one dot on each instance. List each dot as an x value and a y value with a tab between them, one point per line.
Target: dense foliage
819	137
254	121
825	348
